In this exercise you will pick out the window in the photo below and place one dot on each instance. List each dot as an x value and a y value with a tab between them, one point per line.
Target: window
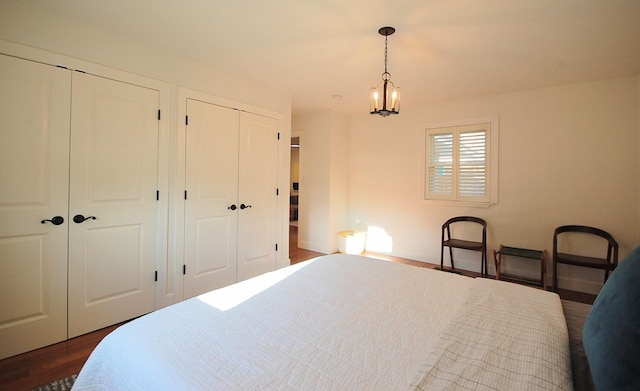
461	162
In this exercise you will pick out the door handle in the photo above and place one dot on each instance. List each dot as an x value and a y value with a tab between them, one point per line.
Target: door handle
80	218
243	206
56	220
232	207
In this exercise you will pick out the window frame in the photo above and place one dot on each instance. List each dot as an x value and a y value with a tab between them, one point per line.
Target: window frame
490	125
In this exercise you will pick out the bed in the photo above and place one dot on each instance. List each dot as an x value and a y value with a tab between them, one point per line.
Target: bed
343	322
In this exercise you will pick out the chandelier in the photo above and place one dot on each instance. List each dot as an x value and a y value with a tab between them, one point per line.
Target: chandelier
385	98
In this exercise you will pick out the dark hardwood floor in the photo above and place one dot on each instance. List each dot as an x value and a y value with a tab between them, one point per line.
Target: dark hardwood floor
42	366
298	254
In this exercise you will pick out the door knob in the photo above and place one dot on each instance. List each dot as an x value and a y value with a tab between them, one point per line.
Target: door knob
56	220
232	207
80	218
243	206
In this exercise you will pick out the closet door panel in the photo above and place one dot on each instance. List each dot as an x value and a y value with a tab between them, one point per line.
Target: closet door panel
211	190
114	178
34	146
258	178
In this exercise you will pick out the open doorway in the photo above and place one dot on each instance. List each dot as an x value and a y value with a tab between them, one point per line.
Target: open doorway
296	254
294	199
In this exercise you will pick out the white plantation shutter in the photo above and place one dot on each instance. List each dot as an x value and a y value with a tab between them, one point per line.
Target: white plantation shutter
458	163
472	177
441	165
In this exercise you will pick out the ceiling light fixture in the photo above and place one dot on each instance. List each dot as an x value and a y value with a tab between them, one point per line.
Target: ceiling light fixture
385	98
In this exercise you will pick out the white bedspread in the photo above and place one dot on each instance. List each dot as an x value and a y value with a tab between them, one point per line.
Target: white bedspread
339	322
505	337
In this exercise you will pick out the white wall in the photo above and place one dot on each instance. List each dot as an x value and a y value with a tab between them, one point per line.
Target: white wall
568	155
39	35
324	179
41	29
339	184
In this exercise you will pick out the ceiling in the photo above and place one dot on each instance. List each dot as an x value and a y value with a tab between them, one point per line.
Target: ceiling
442	49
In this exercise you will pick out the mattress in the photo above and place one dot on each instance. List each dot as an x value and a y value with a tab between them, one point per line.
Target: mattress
343	322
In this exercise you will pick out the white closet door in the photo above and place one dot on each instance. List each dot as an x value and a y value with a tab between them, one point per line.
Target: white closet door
211	210
114	171
258	175
34	153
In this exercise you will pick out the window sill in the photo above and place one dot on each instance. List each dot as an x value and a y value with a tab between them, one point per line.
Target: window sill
466	204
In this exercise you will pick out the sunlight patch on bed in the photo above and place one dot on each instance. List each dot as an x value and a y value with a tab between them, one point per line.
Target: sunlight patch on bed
231	296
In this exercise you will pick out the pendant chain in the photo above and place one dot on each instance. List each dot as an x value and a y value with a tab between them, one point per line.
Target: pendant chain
386	37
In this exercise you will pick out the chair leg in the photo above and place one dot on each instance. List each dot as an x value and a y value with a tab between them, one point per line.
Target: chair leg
486	265
442	257
451	258
555	276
